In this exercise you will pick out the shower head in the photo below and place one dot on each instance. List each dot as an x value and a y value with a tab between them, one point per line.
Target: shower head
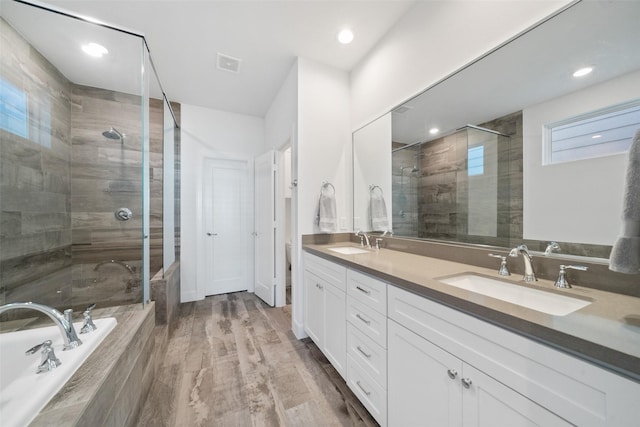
113	134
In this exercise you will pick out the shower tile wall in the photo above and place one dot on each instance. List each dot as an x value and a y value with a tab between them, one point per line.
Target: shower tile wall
59	193
35	231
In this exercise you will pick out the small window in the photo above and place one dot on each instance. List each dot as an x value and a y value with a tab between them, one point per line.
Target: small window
14	112
596	134
475	160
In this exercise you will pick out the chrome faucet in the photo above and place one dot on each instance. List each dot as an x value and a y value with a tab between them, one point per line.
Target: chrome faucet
63	321
363	237
529	274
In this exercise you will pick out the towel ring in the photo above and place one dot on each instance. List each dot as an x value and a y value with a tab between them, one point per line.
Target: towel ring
326	184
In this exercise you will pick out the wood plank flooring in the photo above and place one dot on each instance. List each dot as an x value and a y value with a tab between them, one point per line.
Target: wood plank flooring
233	361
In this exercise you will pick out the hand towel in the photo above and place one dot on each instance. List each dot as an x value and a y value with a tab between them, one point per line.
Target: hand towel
378	211
326	212
625	255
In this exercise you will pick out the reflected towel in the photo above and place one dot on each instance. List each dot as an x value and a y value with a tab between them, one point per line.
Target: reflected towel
326	212
625	255
378	212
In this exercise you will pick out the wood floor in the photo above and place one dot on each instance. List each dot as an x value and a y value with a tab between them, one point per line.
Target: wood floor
233	361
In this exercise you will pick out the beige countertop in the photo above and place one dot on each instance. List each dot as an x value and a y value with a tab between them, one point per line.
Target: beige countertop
606	332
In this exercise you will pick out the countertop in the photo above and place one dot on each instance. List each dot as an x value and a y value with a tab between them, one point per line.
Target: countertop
605	333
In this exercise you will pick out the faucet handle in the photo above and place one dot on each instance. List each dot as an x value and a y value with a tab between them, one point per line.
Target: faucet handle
378	240
49	360
88	326
504	271
561	281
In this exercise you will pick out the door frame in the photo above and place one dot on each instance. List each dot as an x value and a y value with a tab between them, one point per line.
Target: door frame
280	254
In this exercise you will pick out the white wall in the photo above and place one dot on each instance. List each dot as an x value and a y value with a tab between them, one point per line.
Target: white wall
554	206
434	39
324	142
216	134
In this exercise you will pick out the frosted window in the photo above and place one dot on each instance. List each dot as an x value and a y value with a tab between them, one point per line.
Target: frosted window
475	159
14	112
600	133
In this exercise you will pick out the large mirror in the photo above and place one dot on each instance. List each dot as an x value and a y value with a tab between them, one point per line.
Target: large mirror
524	151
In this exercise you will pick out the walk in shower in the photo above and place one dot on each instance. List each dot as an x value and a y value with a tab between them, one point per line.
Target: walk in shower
81	161
448	188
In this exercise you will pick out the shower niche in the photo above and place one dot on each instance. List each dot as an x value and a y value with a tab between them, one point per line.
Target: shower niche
82	138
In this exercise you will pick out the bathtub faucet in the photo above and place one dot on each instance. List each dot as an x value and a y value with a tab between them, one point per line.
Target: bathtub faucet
63	321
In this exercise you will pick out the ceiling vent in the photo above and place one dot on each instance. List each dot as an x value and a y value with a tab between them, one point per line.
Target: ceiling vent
228	63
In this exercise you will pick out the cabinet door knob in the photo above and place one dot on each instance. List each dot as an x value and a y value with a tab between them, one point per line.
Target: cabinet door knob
452	373
466	382
318	285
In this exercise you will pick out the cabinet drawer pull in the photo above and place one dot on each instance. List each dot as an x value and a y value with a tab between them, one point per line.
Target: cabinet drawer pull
368	322
363	290
452	373
368	393
368	356
466	382
319	286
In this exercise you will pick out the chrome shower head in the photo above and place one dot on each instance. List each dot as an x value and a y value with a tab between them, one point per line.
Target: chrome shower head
113	134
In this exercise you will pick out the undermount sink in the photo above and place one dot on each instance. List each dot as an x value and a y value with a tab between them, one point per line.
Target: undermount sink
539	300
349	250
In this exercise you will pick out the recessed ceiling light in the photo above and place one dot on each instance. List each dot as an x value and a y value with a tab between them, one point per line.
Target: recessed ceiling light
345	36
434	131
583	71
596	136
94	49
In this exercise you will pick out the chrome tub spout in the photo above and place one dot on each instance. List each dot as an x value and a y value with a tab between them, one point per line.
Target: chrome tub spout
63	321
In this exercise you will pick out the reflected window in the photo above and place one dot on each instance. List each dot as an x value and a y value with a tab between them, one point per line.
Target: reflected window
475	160
14	109
596	134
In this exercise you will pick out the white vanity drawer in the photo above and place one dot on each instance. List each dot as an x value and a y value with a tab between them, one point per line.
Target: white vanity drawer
367	320
329	271
368	290
368	391
371	357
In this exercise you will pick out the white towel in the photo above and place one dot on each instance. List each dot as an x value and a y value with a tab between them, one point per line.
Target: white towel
378	211
326	212
625	255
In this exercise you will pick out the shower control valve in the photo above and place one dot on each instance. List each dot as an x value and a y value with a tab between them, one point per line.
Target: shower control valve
123	214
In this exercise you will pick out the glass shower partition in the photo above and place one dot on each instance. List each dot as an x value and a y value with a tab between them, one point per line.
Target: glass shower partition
74	160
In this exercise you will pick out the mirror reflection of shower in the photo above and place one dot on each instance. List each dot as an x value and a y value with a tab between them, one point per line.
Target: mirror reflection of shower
114	134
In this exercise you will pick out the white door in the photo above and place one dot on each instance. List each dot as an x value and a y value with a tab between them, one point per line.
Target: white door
225	226
265	226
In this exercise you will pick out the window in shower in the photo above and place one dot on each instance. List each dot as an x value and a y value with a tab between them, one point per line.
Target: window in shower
596	134
14	109
475	160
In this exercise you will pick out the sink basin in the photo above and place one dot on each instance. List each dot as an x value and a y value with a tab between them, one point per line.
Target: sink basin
539	300
349	250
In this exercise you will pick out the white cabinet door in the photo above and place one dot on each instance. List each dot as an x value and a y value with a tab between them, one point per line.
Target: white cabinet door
489	403
424	387
314	307
335	328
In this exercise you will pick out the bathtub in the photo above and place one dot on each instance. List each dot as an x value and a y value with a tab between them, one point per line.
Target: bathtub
24	393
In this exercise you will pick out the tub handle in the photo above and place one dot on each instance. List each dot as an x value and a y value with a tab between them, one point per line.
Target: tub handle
49	360
88	326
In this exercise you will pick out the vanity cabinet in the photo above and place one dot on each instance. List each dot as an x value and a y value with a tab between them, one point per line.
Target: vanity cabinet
429	386
367	342
449	368
325	308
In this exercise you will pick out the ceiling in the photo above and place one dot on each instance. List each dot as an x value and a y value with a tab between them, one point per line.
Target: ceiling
184	38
